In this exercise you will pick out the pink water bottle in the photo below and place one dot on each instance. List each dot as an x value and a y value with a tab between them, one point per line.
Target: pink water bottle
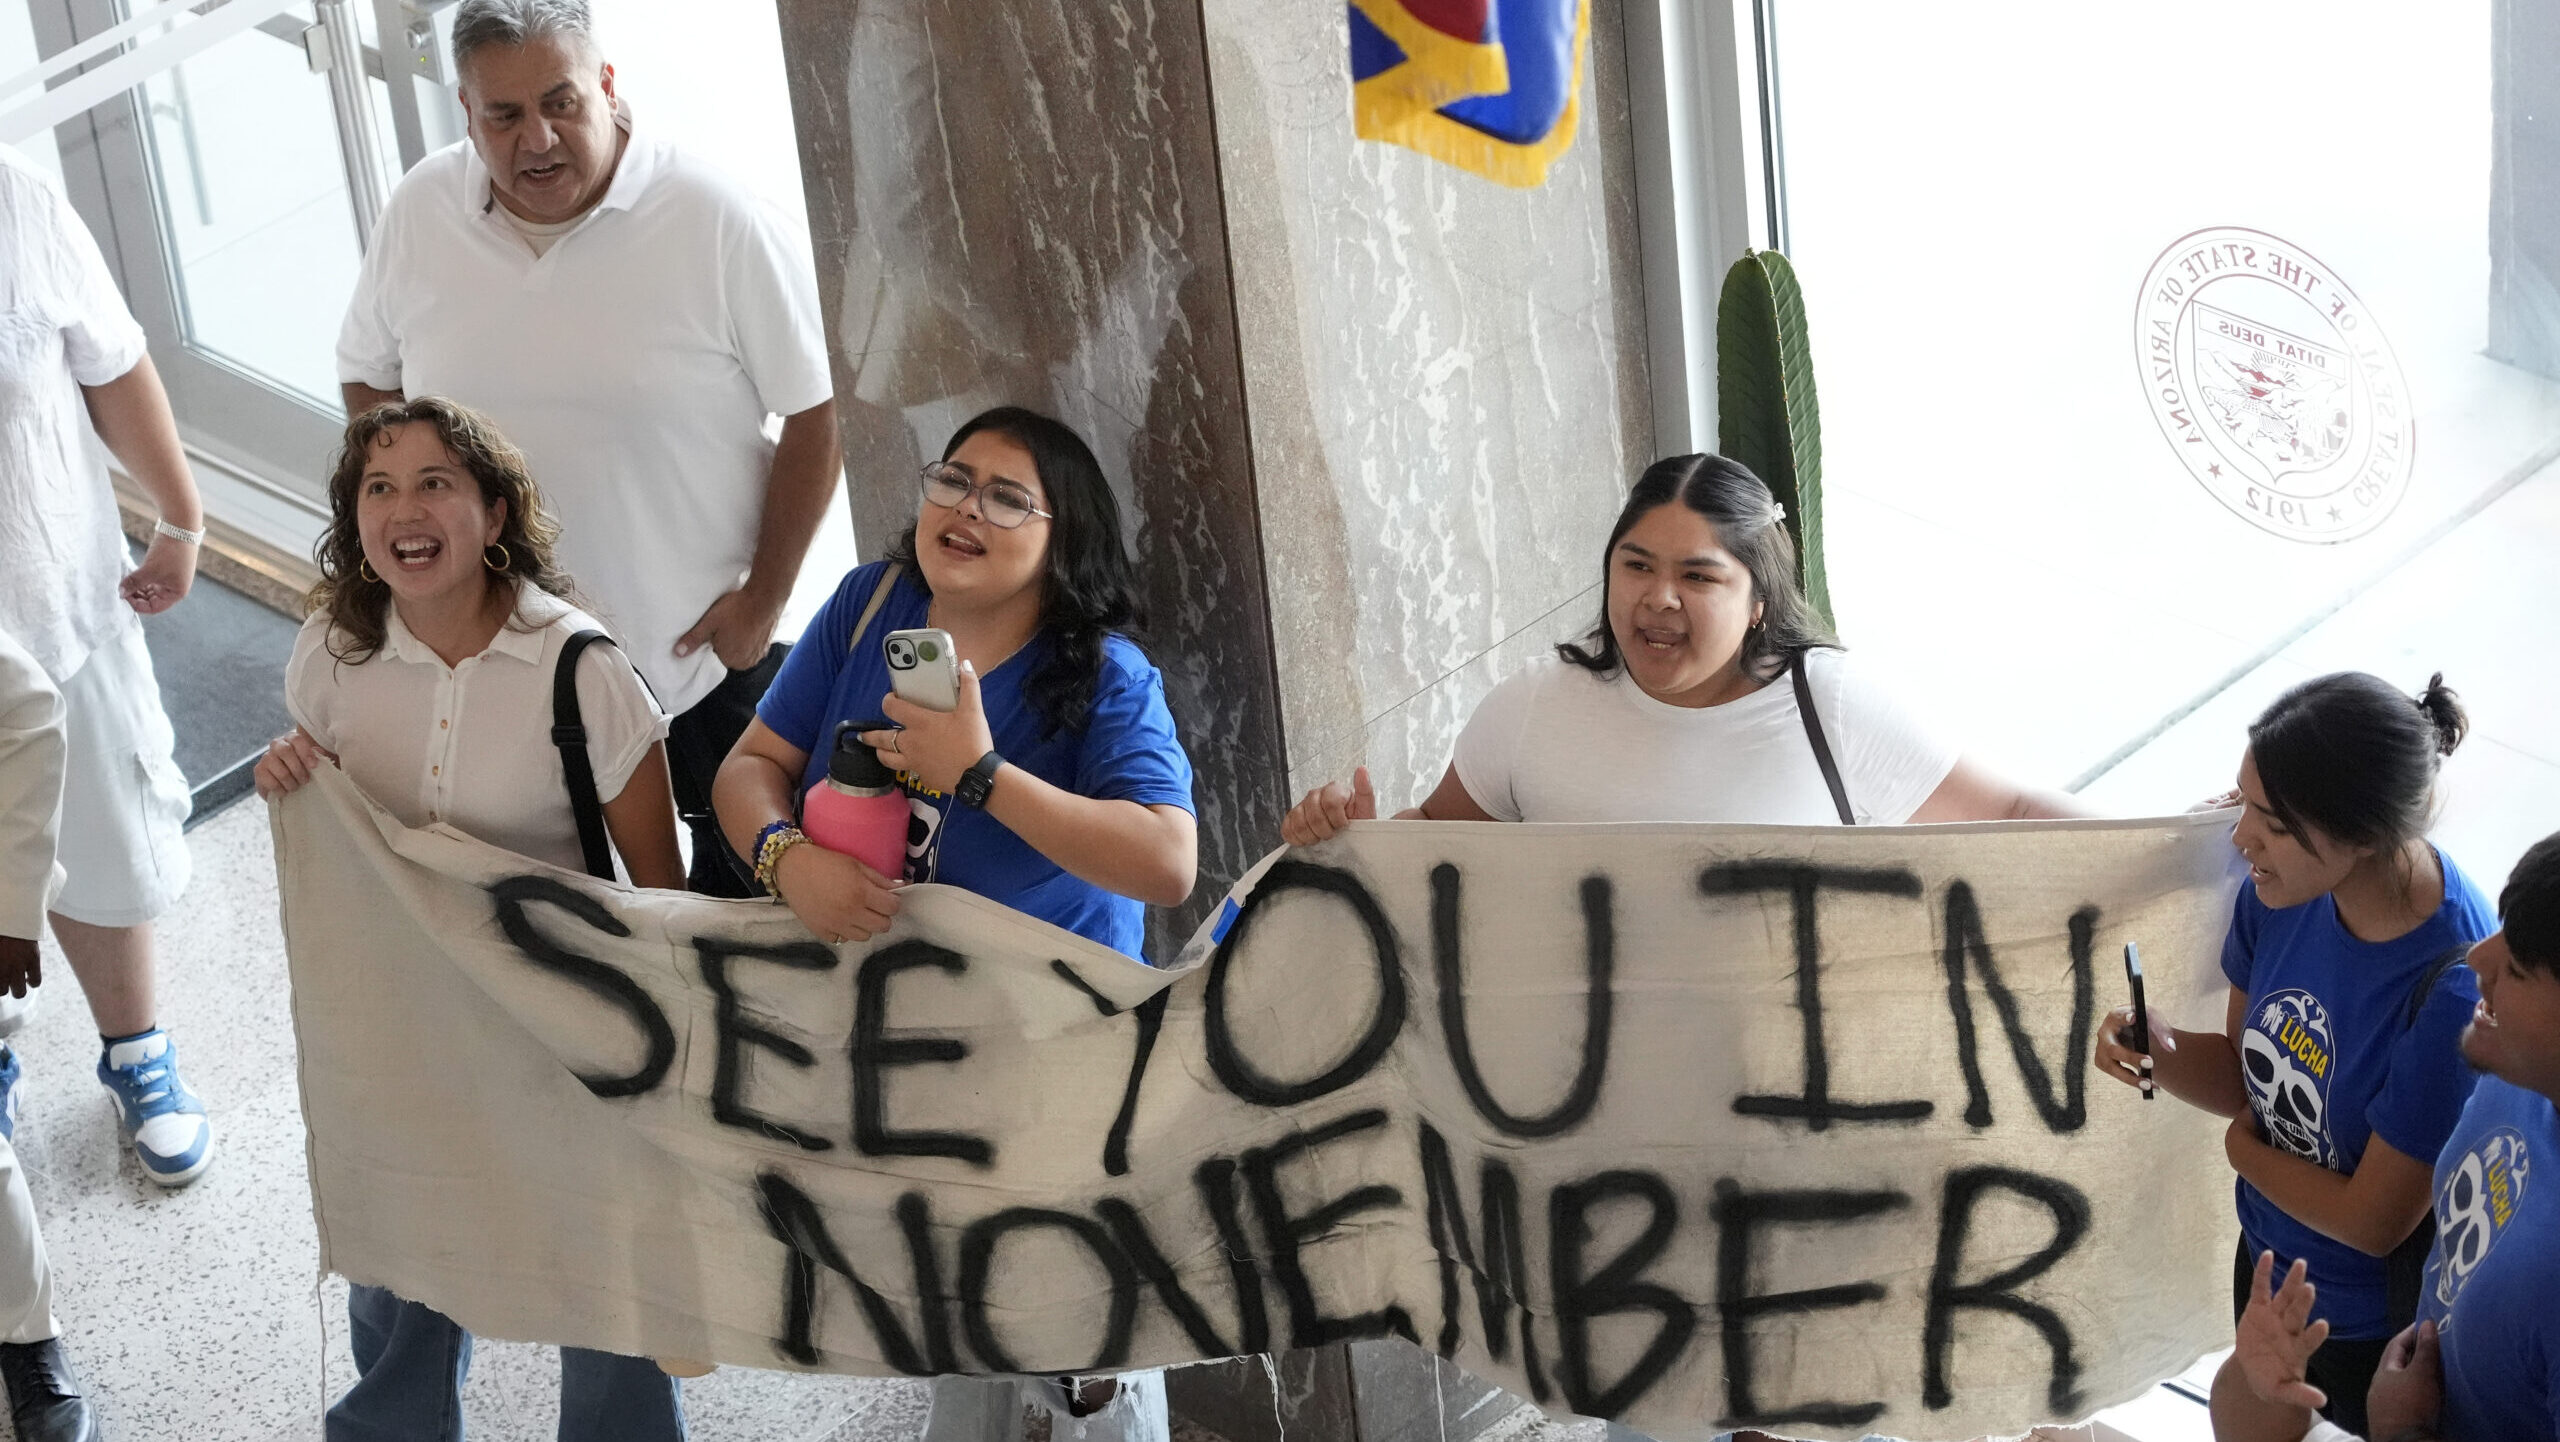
859	810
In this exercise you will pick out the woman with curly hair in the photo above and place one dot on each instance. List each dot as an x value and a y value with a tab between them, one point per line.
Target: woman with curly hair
425	672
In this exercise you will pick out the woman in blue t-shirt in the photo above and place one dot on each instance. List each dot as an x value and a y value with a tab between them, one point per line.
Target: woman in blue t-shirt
2338	1061
1058	786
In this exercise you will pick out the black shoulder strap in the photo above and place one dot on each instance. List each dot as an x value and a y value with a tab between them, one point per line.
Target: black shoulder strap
569	733
2453	957
1821	747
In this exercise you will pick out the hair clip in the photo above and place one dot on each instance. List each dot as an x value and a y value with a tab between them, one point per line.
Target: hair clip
1777	512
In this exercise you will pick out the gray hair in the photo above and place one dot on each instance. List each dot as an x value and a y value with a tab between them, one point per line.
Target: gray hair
481	23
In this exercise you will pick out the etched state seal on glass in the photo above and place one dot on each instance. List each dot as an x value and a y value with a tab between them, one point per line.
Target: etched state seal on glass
2274	385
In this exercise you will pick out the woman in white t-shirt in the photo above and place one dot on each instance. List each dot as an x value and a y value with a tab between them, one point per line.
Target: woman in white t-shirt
1686	702
425	672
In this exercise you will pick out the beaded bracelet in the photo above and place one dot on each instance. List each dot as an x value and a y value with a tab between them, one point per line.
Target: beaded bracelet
769	863
755	851
776	839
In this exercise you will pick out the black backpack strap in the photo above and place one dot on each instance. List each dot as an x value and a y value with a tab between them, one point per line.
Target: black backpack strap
569	733
1821	746
2453	957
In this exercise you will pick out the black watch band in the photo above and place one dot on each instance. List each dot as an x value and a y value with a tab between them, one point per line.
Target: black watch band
977	781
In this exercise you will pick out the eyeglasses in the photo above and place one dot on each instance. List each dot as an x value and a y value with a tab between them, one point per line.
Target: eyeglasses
1005	505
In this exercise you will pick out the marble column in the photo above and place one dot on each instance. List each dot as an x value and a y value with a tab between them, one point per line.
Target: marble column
1448	395
1447	386
1375	416
1019	203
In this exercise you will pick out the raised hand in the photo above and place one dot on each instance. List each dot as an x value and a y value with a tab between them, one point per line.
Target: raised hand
2277	1337
1329	808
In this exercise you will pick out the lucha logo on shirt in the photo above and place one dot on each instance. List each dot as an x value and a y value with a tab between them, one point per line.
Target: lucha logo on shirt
2287	1053
2479	1198
2274	385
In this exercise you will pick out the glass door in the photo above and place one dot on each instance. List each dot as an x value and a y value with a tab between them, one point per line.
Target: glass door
233	191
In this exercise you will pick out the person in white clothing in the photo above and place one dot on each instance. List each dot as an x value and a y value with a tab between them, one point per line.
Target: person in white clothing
1686	701
45	1401
426	673
74	373
632	319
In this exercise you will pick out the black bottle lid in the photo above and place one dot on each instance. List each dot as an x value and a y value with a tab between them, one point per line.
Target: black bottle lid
855	765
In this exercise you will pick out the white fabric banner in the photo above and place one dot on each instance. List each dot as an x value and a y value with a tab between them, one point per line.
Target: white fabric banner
1695	1127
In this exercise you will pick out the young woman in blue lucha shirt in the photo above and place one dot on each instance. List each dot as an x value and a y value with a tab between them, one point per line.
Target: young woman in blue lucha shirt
2337	1060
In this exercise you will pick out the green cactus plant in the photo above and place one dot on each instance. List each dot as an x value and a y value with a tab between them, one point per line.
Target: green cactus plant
1766	416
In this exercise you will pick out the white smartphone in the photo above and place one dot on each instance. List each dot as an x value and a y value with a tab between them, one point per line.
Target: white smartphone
923	669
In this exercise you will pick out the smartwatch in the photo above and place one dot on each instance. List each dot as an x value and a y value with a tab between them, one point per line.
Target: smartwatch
977	781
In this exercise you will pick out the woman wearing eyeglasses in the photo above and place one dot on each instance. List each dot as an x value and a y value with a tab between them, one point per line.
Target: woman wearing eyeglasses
1057	786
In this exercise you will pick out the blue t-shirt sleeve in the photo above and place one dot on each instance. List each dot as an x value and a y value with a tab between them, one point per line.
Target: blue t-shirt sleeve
2240	943
796	706
1131	752
2422	1098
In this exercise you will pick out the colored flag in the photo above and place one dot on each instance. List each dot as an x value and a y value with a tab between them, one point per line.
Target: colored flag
1490	86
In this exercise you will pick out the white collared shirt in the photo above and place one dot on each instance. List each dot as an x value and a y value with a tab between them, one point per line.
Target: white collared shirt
63	325
634	362
469	746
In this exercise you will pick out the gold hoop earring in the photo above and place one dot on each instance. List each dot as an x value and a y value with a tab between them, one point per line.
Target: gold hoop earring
506	558
364	568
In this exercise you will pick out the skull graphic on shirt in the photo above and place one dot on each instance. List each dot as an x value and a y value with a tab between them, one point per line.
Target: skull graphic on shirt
2478	1199
924	836
2287	1052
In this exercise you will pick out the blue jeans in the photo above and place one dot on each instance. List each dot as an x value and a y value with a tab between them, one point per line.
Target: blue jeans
411	1359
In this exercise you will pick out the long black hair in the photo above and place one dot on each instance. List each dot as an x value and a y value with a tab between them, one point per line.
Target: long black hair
2356	757
1738	504
1088	586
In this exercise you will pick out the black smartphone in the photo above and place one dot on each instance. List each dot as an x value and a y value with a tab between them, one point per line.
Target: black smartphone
2138	1037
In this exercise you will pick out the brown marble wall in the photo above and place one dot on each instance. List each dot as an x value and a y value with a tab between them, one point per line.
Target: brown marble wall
1018	203
1416	395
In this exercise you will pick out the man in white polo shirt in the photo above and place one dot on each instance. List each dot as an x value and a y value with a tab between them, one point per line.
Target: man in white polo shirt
630	318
